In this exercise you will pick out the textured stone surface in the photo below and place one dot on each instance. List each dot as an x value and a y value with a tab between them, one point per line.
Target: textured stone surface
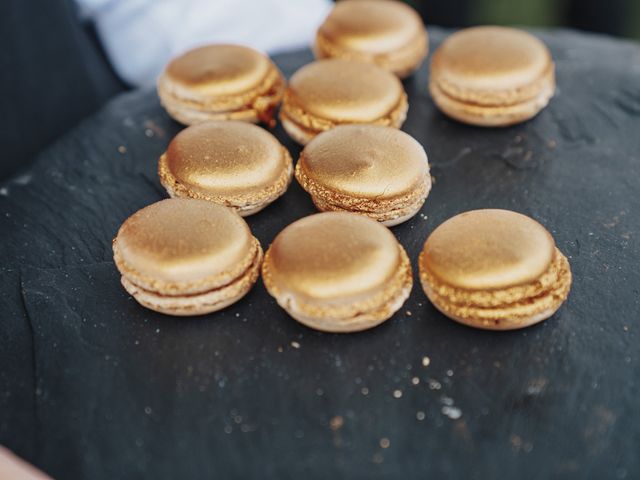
94	386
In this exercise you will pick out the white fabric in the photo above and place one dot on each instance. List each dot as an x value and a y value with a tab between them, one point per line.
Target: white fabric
141	36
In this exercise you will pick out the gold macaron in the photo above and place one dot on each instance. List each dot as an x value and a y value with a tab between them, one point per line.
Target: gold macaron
233	163
221	82
186	256
388	33
332	92
337	272
494	269
492	76
380	172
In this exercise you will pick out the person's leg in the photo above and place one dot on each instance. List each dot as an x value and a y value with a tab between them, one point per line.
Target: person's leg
598	16
446	13
52	77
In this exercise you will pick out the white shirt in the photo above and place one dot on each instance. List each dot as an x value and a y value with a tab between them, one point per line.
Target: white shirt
141	36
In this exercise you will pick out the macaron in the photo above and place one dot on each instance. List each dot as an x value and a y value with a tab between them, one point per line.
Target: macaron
327	93
494	269
388	33
492	76
186	257
377	171
337	272
221	82
233	163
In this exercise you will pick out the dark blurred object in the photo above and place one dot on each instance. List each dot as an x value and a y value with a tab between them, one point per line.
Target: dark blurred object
613	17
601	16
446	13
53	75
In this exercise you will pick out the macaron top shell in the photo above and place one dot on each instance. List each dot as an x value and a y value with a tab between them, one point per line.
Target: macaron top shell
367	161
343	91
488	249
372	26
490	58
185	240
220	69
226	158
333	256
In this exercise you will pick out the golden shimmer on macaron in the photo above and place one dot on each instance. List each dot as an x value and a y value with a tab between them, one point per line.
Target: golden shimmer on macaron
494	269
332	92
186	256
380	172
337	272
492	76
388	33
236	164
221	82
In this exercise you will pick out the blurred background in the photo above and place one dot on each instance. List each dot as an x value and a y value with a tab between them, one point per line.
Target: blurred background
613	17
61	60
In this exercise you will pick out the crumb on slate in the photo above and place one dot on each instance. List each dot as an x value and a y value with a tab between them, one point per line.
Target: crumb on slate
336	423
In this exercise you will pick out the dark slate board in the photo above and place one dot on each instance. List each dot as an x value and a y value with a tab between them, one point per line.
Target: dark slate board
94	386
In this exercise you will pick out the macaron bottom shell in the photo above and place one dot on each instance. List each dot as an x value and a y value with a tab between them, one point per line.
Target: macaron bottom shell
198	303
303	135
504	309
491	116
258	107
298	133
356	316
360	322
402	63
245	205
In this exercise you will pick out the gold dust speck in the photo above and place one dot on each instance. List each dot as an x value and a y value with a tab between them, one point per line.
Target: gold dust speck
385	442
336	423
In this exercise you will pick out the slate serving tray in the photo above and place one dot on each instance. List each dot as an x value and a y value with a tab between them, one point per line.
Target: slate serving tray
94	386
